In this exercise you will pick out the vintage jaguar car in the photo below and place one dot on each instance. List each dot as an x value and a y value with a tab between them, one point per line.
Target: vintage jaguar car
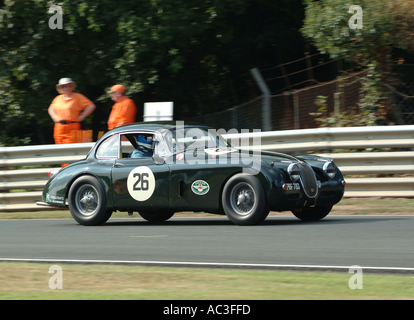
157	169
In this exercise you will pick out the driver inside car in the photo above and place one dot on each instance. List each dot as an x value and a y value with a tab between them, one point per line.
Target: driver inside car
144	148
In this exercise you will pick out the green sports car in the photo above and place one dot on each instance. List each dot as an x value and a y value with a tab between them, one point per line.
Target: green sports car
157	169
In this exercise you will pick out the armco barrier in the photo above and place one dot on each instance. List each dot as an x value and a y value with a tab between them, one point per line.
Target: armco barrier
327	139
20	188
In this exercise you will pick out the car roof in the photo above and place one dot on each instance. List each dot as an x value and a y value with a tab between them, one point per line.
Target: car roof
159	126
155	126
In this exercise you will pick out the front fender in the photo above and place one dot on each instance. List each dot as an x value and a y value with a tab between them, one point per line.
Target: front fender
56	190
272	180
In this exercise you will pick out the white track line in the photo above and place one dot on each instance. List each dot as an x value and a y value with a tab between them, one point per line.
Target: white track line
211	264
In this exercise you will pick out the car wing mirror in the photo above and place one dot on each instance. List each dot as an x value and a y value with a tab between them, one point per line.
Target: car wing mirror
157	159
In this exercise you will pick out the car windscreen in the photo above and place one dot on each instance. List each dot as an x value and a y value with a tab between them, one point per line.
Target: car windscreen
181	139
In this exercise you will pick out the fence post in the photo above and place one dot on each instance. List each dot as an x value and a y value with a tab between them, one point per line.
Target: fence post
337	102
296	120
266	111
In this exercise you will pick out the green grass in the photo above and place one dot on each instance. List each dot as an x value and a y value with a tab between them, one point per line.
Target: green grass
31	281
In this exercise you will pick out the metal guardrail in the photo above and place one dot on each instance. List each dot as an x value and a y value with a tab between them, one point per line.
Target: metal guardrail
20	188
327	139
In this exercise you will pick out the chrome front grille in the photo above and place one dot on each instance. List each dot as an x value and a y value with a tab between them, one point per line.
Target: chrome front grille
308	180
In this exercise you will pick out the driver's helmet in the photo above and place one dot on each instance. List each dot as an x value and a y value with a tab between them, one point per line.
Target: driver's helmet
143	142
144	149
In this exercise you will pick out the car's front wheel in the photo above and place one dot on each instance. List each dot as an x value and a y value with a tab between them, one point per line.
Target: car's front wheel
244	200
312	213
87	202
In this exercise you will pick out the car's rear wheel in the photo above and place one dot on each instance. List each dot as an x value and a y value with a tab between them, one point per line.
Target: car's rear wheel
312	213
87	202
156	217
244	200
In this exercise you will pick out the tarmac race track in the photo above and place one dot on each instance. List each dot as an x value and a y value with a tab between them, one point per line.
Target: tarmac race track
372	242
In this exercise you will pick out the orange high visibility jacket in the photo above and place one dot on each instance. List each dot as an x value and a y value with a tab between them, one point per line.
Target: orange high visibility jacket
70	110
123	112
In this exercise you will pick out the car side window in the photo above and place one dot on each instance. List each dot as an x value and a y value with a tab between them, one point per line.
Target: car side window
137	145
109	148
126	145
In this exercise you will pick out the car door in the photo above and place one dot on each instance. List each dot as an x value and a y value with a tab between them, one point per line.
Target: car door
139	183
197	177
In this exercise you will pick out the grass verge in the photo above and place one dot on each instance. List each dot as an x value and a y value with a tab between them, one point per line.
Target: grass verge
31	281
350	206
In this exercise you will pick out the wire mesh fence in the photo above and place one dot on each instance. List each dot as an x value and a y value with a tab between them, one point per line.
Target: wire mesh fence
245	116
402	94
341	95
293	109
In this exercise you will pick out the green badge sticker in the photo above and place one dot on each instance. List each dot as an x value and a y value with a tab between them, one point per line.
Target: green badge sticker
200	187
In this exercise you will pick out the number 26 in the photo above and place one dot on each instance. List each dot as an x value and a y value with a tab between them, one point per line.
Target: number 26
141	183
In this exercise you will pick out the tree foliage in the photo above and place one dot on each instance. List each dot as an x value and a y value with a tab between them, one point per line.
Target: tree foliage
387	25
387	28
178	50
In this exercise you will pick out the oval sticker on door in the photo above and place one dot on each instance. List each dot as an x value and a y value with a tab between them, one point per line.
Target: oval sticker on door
141	183
200	187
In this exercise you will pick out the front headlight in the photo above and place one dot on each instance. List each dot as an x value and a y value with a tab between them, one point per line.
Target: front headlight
294	171
329	170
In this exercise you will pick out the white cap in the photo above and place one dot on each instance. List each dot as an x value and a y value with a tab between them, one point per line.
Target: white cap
64	81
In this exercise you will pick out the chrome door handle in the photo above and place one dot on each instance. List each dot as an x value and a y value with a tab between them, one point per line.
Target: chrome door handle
118	165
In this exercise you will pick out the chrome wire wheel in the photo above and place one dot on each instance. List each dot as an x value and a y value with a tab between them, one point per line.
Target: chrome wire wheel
87	200
242	198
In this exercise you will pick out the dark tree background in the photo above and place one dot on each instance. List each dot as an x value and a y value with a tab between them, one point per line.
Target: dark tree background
196	53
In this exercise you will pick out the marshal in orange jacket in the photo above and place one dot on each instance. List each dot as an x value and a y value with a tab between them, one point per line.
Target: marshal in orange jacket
123	112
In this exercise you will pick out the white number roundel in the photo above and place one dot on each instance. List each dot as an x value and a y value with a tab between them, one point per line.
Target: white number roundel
141	183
